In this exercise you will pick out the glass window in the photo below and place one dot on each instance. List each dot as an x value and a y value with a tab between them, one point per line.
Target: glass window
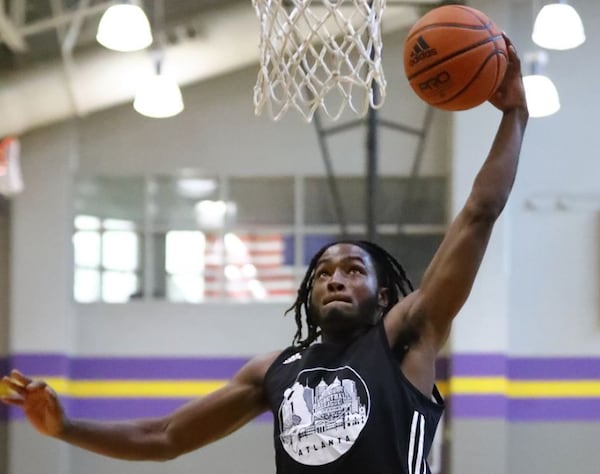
185	263
107	264
110	211
198	239
86	285
412	201
400	200
319	205
263	201
174	201
120	250
413	252
87	248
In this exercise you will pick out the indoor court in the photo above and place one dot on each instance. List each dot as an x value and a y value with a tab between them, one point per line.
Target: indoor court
160	205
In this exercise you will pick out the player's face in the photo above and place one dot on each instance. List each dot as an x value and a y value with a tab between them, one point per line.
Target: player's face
345	295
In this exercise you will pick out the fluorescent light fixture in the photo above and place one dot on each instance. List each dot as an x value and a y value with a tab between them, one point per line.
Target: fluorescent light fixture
558	26
124	27
158	97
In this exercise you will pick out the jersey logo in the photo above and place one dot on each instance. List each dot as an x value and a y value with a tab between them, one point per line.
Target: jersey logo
292	358
322	414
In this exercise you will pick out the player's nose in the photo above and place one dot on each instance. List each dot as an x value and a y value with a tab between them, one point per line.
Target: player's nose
336	281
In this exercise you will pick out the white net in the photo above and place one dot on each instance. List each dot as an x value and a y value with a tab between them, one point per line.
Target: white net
319	54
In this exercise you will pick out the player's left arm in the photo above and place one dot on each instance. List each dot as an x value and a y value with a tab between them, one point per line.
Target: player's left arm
448	280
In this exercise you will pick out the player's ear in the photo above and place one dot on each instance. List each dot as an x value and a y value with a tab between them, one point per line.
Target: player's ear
383	297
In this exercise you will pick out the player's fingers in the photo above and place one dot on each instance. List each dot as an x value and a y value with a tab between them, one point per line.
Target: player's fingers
37	385
14	385
20	377
14	401
507	40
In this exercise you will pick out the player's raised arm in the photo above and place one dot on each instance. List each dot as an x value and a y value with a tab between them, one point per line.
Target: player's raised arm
450	276
192	426
448	279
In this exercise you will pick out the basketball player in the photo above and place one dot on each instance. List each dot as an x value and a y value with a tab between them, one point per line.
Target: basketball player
362	398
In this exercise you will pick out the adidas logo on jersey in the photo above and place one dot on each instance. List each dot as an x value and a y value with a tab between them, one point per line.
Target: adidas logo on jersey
421	50
292	358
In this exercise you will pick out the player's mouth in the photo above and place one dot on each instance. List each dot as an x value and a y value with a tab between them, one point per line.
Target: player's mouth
336	299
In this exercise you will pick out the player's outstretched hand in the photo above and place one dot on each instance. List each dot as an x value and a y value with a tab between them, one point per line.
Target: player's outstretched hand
38	402
511	92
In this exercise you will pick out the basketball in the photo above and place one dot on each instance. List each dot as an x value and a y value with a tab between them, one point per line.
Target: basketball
455	57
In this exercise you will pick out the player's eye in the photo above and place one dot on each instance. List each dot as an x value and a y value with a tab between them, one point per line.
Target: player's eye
322	273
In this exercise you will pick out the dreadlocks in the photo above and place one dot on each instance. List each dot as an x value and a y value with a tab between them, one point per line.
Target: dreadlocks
390	274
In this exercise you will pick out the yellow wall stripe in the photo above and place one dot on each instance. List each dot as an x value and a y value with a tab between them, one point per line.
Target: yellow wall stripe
195	388
134	389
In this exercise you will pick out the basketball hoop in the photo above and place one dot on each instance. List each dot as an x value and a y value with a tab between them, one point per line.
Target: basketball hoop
319	54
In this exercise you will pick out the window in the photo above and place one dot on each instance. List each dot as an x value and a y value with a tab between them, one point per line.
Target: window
106	260
201	238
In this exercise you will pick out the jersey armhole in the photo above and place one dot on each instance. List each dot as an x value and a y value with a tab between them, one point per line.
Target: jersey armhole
436	398
287	352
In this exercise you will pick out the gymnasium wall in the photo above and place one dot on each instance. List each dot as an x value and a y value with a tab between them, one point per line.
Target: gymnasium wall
535	301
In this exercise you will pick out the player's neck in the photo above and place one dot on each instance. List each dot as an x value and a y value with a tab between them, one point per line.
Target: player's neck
342	337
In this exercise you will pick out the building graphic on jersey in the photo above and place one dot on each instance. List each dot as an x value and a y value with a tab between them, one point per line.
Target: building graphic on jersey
322	414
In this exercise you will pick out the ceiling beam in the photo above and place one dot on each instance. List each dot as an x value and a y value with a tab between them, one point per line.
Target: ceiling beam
9	33
57	21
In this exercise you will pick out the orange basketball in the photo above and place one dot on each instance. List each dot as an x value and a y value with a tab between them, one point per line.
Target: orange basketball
455	57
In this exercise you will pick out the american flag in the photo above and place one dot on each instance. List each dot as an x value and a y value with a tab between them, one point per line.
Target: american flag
248	266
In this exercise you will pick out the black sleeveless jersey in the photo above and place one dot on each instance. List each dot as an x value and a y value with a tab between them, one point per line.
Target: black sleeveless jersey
349	409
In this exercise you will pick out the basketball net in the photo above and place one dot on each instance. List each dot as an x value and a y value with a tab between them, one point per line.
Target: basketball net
319	54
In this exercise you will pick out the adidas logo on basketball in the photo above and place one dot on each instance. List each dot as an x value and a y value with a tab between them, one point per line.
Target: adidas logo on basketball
421	50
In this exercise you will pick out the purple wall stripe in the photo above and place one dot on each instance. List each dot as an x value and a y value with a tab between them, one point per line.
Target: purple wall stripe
478	364
442	368
478	406
564	368
525	410
122	368
51	365
555	409
155	368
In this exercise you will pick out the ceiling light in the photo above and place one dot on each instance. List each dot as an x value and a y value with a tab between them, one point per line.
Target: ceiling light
558	26
540	91
542	96
159	96
124	27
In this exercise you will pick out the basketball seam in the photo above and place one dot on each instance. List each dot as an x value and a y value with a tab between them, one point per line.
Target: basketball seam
472	13
466	86
456	53
450	25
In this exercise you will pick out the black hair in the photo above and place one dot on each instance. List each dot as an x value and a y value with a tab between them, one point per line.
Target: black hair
390	274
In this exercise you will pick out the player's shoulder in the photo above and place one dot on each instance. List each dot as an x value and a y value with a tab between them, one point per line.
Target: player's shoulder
403	317
255	370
